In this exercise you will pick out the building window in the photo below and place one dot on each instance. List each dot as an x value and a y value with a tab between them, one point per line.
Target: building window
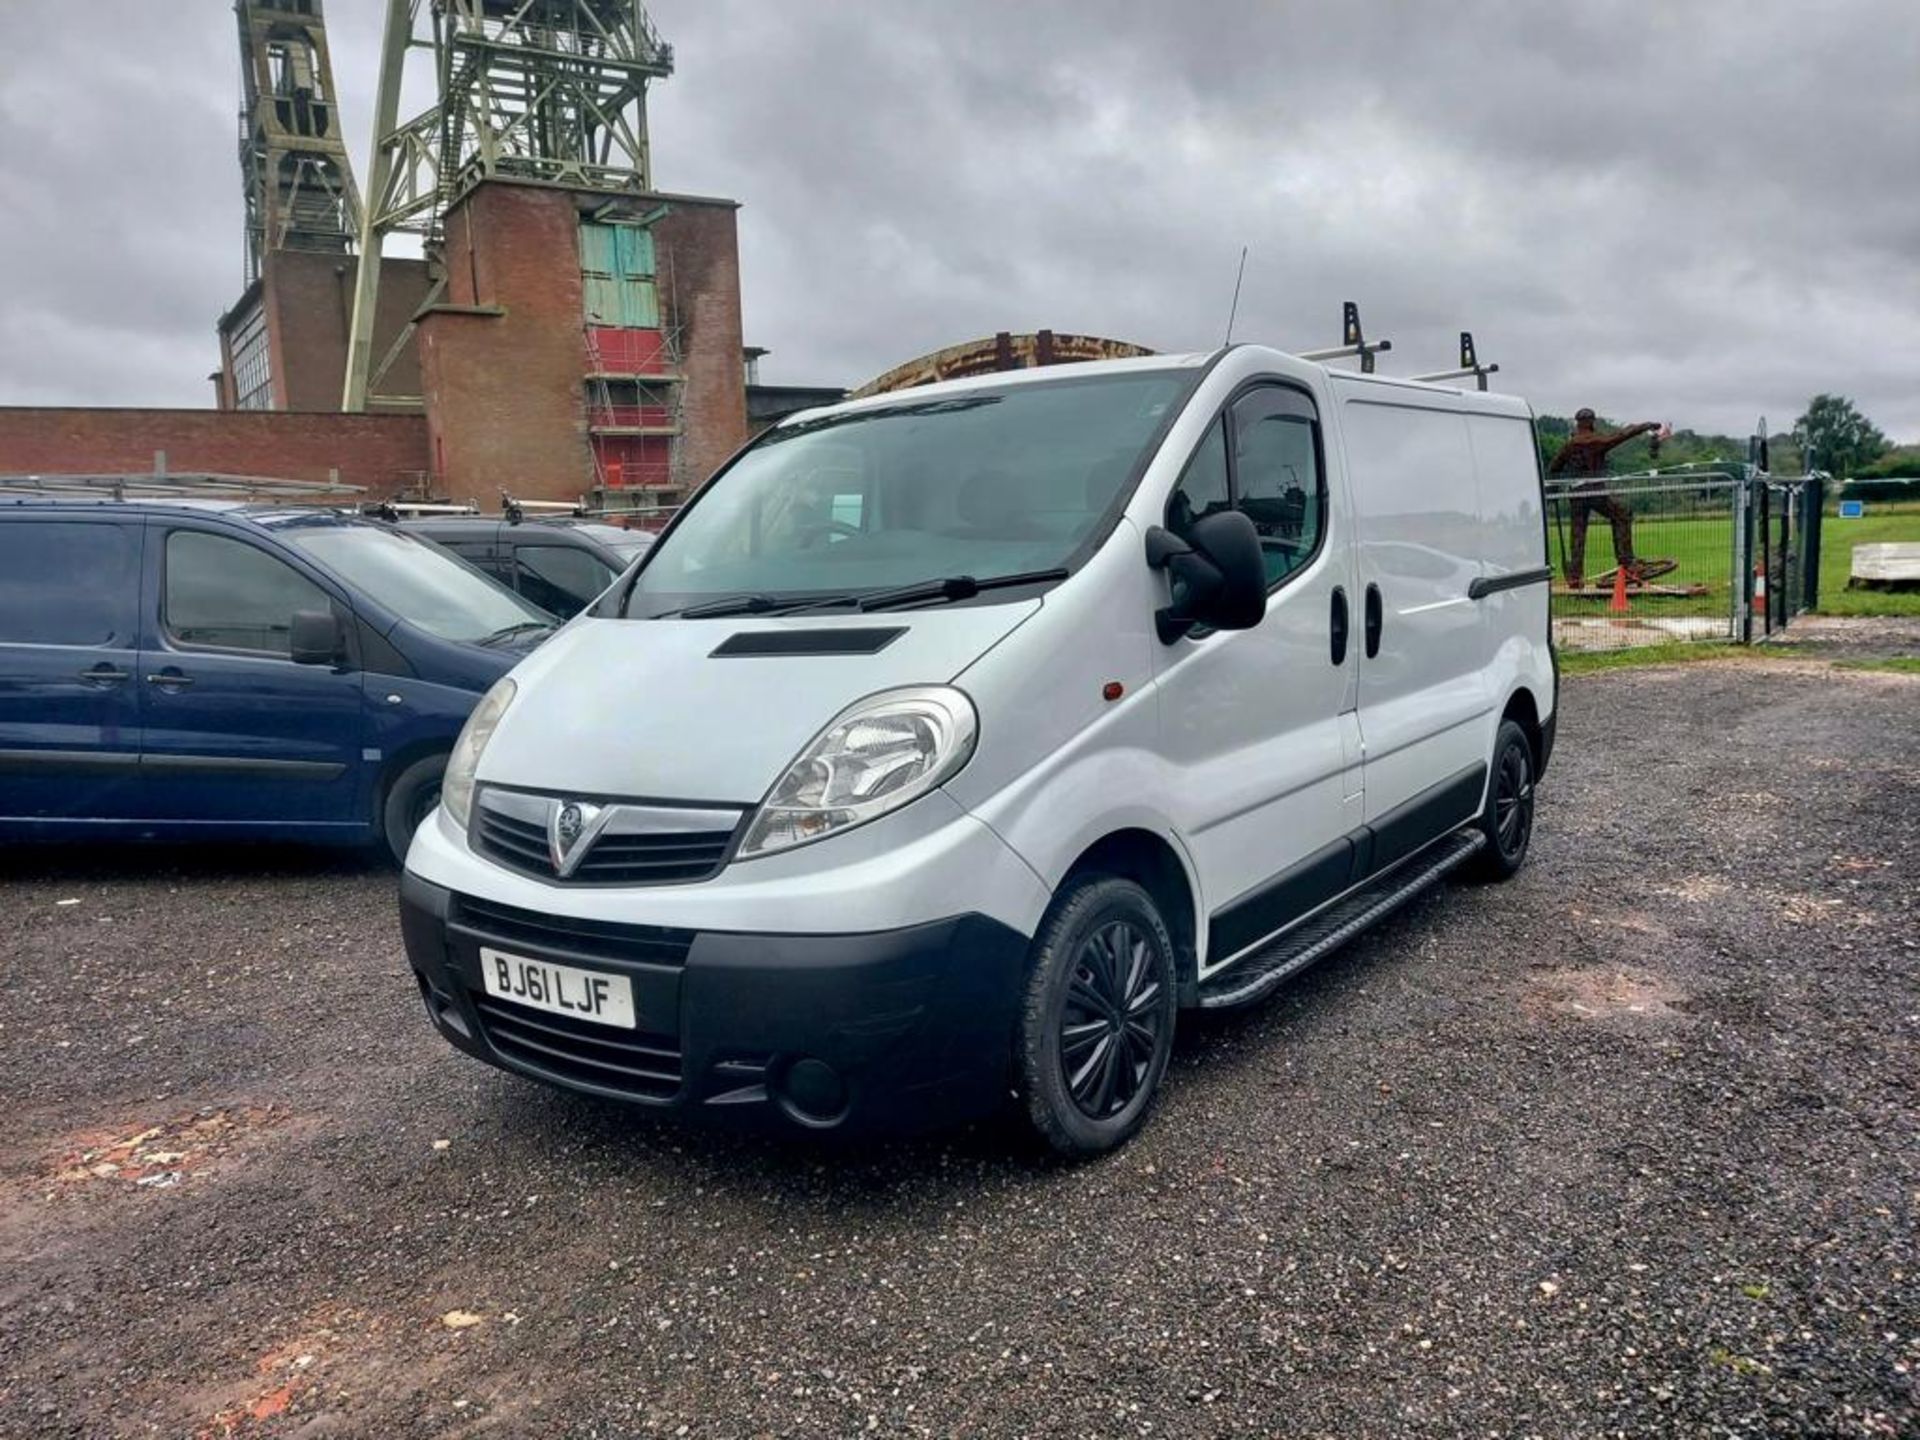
252	365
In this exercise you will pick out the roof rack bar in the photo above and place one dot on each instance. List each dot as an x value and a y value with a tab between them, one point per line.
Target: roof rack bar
179	485
1353	342
1469	365
516	509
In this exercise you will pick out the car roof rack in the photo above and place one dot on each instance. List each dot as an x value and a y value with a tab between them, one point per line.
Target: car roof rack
179	485
424	508
1469	365
517	510
1353	343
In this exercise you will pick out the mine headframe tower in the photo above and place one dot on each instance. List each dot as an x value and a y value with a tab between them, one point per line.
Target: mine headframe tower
549	91
298	178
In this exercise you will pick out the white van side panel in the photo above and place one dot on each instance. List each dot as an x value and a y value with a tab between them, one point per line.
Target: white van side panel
1424	699
1507	464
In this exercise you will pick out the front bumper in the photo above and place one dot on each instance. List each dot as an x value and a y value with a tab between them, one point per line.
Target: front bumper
899	1029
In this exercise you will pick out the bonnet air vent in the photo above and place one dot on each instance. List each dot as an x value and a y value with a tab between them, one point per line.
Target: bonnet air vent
808	642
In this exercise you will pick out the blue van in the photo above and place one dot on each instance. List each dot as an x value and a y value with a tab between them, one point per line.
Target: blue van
176	669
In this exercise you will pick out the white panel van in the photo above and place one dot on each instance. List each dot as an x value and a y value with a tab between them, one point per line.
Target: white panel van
950	742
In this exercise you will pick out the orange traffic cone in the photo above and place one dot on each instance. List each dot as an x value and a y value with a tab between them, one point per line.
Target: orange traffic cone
1759	590
1619	606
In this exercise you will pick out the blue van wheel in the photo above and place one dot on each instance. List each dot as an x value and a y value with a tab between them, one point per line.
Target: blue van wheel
409	800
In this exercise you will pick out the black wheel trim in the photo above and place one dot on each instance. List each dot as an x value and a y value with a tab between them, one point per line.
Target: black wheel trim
1112	1024
1513	802
423	804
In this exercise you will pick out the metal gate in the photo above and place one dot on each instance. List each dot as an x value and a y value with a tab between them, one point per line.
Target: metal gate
1696	521
1732	557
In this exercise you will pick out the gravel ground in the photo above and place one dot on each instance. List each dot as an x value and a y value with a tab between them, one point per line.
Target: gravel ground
1626	1147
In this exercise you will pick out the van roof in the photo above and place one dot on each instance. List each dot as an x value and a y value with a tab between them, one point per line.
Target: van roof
1494	403
1488	401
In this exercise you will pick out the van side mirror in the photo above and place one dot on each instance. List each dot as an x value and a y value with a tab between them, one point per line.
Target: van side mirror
316	638
1219	578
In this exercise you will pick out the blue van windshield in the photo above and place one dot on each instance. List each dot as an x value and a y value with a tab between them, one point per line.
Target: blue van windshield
421	583
983	483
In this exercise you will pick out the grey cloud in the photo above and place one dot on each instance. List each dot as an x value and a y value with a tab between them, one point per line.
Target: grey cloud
1704	213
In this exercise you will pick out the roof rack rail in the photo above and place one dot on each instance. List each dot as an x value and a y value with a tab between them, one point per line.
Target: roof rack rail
1352	342
432	507
516	510
1469	365
179	486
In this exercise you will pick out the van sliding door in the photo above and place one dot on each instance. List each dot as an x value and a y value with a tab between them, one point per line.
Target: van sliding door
1423	699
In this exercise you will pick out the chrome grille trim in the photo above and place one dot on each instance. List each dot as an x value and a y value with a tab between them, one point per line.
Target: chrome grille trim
634	843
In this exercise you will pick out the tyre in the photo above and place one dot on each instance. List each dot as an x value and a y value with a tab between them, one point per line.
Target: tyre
410	798
1098	1019
1507	822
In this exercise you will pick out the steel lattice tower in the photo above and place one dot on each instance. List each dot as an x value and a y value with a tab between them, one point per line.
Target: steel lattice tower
551	91
298	179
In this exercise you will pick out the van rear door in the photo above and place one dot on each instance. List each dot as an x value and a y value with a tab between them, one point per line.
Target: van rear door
69	701
1423	695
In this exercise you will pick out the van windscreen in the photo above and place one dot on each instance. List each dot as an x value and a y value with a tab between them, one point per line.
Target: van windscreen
982	483
420	582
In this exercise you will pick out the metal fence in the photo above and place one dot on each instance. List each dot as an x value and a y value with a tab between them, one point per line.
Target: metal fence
1689	532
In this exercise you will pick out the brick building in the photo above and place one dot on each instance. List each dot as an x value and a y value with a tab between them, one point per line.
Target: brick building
531	372
571	334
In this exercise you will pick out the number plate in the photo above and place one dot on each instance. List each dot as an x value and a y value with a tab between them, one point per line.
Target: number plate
591	995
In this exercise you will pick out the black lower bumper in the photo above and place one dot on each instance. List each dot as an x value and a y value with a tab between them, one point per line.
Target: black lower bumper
898	1030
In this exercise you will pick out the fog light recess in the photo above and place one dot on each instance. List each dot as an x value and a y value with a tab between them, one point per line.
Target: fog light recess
812	1092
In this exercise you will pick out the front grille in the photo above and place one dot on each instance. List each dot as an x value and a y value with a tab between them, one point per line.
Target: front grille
517	843
654	859
616	857
562	936
629	1062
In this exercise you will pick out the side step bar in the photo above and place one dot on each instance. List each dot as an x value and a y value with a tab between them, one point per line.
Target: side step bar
1292	951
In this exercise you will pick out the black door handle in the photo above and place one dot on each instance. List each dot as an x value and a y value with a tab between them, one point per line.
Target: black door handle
102	675
1375	618
1339	626
170	680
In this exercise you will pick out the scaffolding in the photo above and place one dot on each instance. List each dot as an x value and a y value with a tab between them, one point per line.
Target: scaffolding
299	185
544	91
635	391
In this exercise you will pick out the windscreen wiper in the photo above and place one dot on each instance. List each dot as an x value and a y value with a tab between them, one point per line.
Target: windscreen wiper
956	587
725	605
508	632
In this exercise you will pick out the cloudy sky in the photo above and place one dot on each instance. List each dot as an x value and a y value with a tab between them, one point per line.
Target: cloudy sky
1703	212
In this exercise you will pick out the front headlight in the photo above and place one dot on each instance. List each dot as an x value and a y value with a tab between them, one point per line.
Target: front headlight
875	757
456	786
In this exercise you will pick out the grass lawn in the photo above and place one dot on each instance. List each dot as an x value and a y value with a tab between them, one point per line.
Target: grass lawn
1703	545
1884	520
1900	665
1585	662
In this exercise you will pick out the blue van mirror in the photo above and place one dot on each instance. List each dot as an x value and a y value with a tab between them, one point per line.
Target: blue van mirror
316	638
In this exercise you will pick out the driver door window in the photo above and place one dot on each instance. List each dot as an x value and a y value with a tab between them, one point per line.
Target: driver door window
1276	472
227	595
1270	473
